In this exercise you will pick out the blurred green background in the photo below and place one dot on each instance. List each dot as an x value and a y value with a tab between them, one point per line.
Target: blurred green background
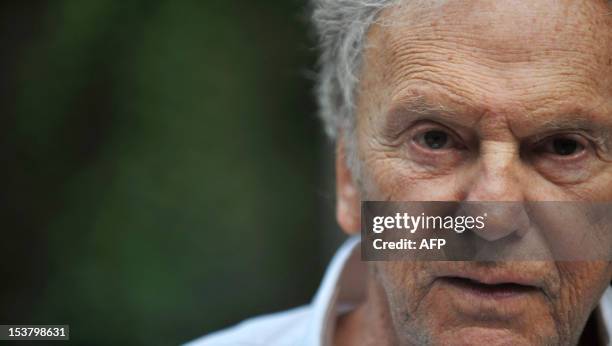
163	171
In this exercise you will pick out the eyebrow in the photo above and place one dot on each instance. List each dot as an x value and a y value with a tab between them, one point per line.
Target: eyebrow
410	110
407	111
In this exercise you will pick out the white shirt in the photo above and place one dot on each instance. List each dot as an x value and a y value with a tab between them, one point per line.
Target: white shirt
313	325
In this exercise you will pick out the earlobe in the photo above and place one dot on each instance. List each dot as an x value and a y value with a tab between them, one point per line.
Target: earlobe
348	199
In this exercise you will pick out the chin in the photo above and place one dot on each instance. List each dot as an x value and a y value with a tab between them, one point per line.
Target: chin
484	336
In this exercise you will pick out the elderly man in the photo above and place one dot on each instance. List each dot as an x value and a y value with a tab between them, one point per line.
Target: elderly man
459	100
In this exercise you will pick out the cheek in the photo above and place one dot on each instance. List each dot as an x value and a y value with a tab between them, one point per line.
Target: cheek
581	286
400	281
596	189
404	285
586	276
392	179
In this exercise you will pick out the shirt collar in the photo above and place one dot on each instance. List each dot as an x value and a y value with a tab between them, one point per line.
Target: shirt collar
343	287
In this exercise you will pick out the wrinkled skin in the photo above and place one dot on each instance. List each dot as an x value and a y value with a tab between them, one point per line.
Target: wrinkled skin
507	83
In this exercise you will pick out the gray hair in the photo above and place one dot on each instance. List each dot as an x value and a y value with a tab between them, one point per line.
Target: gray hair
341	26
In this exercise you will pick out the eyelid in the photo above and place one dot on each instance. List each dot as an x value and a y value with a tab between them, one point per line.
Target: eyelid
433	125
568	132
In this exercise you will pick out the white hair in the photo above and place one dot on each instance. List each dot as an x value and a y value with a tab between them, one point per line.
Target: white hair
341	26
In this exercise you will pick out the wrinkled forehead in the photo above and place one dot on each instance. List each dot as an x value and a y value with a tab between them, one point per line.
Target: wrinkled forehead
495	48
510	24
513	31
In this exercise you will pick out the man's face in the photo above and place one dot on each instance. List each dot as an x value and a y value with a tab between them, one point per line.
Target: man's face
489	101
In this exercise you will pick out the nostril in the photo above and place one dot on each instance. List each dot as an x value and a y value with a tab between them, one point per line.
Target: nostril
498	235
496	231
502	219
521	232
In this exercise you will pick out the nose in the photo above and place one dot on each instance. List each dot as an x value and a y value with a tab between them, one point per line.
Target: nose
497	192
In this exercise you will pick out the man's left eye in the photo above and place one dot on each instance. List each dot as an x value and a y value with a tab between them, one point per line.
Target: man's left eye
566	146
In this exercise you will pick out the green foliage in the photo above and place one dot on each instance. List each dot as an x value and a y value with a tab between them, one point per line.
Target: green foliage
171	154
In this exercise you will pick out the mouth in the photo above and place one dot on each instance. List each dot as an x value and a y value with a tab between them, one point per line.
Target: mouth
491	287
491	294
499	289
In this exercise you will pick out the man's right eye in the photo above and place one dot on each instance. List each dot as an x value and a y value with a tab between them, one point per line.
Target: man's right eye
434	140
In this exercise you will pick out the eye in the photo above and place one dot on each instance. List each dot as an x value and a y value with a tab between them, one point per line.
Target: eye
434	140
565	158
564	146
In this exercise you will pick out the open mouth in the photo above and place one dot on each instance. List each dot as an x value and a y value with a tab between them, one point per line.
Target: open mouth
494	290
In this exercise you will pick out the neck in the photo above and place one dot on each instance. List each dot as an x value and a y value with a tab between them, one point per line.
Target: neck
370	323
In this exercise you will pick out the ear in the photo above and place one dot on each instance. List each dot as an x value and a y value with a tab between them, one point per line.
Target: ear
348	199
